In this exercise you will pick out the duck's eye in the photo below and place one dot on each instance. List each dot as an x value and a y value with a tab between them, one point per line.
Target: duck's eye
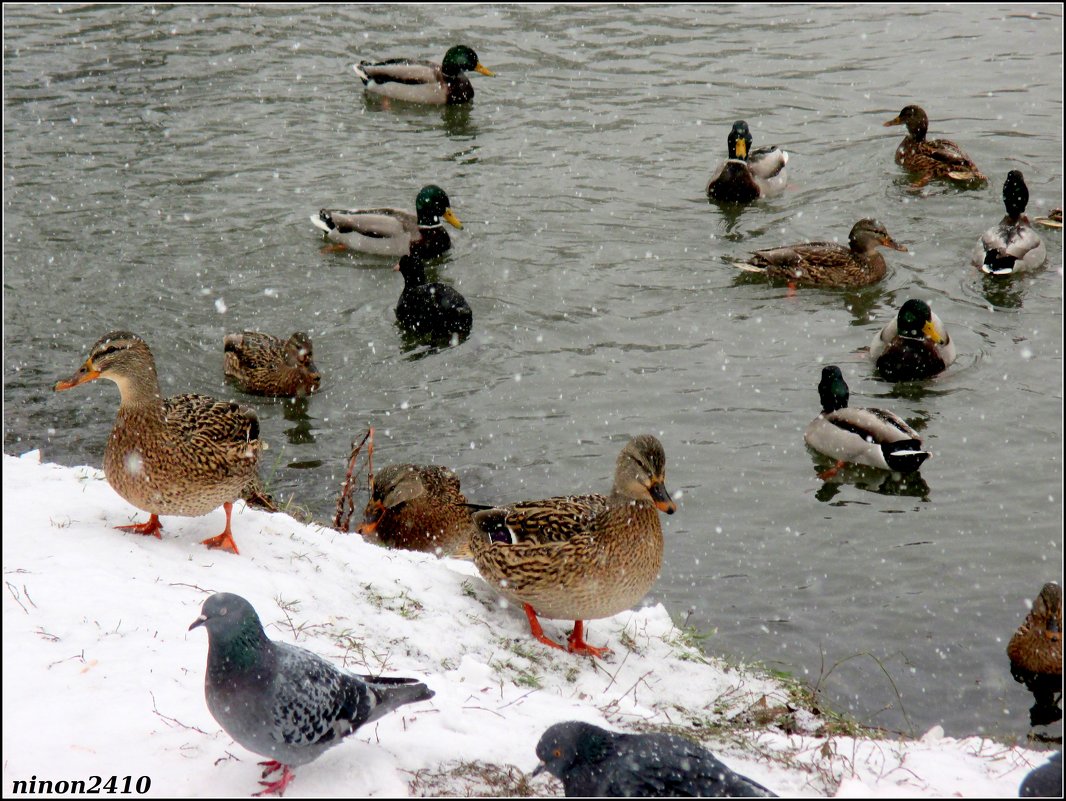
557	753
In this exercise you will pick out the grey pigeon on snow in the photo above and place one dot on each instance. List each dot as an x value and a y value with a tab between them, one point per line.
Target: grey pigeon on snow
281	701
595	762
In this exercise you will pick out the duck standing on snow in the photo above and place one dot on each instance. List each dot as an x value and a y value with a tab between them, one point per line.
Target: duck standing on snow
913	346
423	81
827	263
1013	246
931	158
185	455
872	437
748	174
394	232
430	309
580	557
261	364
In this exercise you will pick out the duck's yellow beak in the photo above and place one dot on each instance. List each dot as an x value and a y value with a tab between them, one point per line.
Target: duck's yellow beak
484	70
893	121
742	149
930	330
85	374
451	219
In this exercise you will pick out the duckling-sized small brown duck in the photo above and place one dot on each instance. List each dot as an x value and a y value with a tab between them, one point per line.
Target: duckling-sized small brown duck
262	364
1037	644
185	455
418	508
827	263
931	158
913	346
580	557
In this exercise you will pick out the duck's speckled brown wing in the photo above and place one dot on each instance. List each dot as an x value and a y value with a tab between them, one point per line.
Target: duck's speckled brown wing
552	520
209	424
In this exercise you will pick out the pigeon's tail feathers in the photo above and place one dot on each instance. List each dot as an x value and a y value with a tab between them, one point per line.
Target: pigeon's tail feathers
389	693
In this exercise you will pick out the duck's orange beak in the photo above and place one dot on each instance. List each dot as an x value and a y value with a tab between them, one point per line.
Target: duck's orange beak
893	121
375	510
742	149
889	242
484	70
85	374
661	498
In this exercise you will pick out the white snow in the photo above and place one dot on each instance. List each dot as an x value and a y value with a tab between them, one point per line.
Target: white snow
102	677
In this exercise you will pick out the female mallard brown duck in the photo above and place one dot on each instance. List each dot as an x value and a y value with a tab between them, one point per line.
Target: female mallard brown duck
1037	644
872	437
1013	246
827	263
931	158
423	81
185	455
417	508
748	174
913	346
580	557
262	364
394	232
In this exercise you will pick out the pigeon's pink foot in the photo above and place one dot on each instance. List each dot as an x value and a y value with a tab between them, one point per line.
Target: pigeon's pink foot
278	787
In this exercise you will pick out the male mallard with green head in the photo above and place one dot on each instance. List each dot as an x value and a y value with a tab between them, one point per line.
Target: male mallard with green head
748	174
580	557
867	436
1013	246
913	346
423	81
185	455
394	232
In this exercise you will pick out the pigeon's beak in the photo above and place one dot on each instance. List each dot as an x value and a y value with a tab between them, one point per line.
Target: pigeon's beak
543	766
198	622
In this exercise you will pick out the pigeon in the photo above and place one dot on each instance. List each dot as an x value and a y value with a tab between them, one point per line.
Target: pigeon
281	701
1044	781
595	762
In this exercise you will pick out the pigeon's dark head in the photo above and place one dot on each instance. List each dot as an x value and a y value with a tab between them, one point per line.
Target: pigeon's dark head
225	612
565	746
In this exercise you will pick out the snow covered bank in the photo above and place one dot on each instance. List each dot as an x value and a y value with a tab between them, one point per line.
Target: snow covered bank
102	677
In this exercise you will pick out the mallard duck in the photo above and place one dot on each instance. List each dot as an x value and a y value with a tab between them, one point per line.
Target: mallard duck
417	508
580	557
748	174
827	263
430	309
262	364
872	437
1037	644
1012	246
394	232
185	455
931	158
424	81
913	346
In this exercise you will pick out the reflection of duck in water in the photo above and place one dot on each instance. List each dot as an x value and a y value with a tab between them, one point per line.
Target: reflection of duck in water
1035	653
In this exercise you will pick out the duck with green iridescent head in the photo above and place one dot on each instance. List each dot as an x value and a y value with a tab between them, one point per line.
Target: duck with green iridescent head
914	345
394	232
1013	246
748	174
424	81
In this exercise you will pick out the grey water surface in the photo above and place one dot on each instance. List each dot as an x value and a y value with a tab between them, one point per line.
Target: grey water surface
161	163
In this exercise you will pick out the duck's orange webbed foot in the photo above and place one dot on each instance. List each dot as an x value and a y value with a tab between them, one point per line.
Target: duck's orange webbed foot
152	527
223	541
536	630
577	645
832	471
